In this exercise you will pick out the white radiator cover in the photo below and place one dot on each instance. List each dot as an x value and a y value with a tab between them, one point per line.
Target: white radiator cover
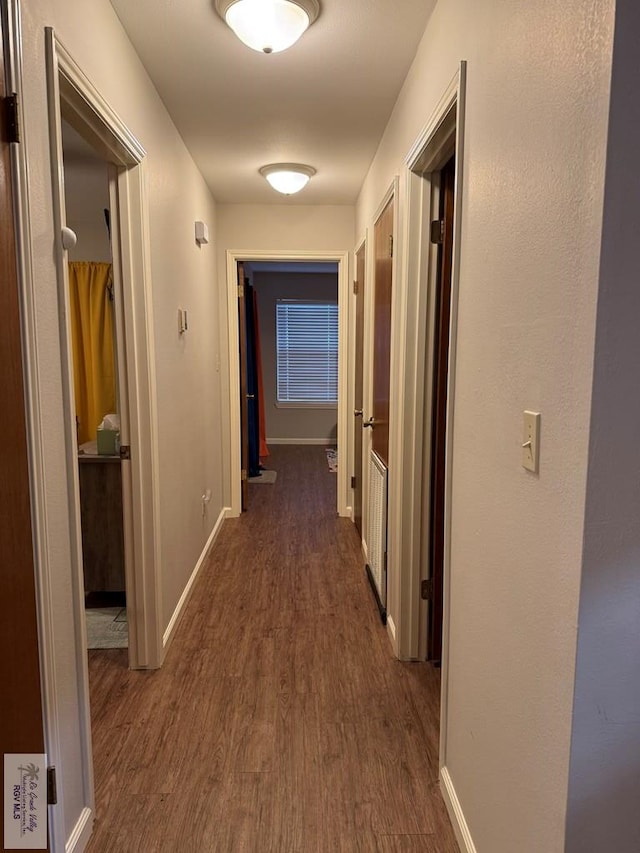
377	524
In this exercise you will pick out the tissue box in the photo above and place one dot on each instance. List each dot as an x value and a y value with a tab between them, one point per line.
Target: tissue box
107	441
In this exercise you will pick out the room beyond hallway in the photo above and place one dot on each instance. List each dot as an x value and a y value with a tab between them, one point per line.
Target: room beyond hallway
280	720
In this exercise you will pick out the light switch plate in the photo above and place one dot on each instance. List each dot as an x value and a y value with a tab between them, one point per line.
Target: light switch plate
531	442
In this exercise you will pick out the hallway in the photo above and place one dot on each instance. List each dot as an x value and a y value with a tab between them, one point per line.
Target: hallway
280	720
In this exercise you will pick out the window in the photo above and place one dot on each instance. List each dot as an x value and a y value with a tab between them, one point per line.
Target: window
307	352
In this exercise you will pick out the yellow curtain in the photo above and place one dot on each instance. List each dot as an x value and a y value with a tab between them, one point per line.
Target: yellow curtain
92	340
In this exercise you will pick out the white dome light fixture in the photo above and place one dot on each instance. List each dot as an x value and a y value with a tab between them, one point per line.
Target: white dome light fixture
268	26
288	178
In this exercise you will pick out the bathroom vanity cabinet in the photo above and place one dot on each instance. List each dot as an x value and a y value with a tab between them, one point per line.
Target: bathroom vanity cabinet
102	530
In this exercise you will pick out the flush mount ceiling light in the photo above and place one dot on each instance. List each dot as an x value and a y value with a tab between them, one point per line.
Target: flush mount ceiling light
268	26
287	178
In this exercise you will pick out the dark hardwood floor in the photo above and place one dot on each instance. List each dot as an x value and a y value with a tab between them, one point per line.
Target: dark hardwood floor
280	721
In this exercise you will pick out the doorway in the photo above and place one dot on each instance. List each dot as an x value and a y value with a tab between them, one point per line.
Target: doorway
257	263
378	447
438	173
72	98
441	234
99	391
288	338
431	175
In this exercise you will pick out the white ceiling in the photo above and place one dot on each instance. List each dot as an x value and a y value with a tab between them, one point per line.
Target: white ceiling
324	102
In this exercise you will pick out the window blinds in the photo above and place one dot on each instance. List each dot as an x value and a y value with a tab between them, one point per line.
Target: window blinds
307	352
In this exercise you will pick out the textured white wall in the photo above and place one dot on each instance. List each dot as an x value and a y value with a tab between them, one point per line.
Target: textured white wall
537	99
189	404
605	756
287	228
278	228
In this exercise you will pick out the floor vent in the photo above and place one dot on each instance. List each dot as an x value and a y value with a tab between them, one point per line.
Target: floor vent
377	532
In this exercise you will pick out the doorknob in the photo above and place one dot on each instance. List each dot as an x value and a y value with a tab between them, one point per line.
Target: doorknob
370	423
357	413
69	238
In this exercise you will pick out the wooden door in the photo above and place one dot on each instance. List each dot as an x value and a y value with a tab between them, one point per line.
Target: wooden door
244	408
21	723
357	397
383	238
439	410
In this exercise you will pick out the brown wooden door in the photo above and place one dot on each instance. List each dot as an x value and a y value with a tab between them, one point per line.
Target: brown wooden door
244	408
21	724
383	238
439	411
357	397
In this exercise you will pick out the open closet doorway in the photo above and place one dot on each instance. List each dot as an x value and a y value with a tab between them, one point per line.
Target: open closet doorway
287	353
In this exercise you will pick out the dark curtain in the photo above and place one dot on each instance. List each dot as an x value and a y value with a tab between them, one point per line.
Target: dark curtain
252	384
264	450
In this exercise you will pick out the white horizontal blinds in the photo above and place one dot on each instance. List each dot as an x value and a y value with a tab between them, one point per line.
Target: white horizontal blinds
307	351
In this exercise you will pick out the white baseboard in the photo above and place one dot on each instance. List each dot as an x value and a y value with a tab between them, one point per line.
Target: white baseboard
81	832
329	442
463	835
391	632
186	595
228	512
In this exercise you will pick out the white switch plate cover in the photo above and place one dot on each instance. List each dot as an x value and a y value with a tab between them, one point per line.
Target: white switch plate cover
531	442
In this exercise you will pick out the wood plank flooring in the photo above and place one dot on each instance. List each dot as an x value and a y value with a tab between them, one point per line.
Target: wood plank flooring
280	721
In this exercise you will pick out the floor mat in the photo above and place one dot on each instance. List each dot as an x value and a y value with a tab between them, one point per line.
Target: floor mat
107	628
268	477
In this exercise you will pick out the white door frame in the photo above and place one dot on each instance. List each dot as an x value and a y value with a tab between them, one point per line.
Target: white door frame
344	391
71	93
427	155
